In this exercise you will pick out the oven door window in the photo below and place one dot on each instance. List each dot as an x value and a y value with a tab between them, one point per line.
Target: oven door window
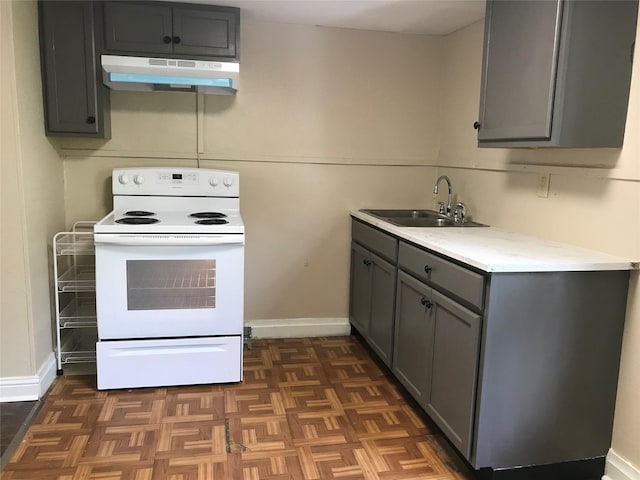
171	284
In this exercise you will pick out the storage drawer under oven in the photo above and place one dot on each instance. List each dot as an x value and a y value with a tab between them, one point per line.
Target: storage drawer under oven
164	362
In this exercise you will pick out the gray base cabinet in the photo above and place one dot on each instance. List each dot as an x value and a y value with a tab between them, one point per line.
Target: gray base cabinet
556	73
549	364
436	353
75	101
171	30
373	283
517	369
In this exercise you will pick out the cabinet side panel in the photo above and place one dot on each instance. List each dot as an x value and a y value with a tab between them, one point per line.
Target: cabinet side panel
549	367
595	77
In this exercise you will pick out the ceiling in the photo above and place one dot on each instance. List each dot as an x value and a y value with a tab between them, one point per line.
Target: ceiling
434	17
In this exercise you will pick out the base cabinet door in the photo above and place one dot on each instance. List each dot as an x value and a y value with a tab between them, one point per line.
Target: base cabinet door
413	337
360	291
372	302
456	343
383	283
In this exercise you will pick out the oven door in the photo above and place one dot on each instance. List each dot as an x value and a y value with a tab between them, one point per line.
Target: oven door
160	291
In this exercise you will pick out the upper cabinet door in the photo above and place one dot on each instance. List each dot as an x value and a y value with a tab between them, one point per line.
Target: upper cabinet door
205	32
74	102
520	61
556	73
138	28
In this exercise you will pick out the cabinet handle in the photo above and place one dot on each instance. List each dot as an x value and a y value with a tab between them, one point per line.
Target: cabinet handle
427	303
427	269
366	262
176	39
166	39
476	125
91	120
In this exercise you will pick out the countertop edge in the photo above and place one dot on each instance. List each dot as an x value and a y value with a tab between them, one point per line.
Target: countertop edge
598	261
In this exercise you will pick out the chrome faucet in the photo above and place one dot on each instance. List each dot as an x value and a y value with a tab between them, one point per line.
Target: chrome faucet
446	210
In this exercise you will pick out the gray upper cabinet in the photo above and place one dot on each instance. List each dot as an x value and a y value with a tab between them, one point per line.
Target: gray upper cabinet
556	73
171	30
75	101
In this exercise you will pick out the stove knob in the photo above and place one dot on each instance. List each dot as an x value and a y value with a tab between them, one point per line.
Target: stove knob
228	182
138	179
123	179
214	181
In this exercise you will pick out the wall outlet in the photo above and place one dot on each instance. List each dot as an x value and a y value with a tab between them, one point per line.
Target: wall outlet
543	185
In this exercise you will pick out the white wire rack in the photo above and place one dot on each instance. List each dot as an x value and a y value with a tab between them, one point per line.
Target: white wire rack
75	298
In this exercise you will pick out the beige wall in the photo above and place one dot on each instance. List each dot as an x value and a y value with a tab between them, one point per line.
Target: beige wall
325	120
594	205
32	205
15	339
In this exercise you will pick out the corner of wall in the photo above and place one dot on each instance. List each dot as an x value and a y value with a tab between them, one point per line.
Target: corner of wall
32	387
617	468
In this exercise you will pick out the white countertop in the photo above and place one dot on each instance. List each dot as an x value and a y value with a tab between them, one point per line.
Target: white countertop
494	250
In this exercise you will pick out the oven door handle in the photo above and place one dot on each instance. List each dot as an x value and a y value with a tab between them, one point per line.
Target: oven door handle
171	240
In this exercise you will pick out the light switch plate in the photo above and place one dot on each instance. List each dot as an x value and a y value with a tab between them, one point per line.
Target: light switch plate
543	185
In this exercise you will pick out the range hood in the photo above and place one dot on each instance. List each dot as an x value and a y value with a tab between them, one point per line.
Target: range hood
167	74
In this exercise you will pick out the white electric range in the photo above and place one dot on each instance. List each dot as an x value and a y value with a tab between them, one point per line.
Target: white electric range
170	279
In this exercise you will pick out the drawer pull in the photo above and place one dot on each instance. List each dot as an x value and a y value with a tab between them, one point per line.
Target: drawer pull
366	262
427	269
426	302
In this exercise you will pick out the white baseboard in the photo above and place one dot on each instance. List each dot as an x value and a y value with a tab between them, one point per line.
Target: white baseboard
299	327
617	468
20	389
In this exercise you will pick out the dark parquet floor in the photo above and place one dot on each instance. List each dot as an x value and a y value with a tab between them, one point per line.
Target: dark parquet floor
13	416
316	408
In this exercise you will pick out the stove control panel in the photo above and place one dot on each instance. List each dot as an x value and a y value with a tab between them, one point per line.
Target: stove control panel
175	182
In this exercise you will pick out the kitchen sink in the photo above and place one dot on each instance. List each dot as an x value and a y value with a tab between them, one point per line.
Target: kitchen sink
418	218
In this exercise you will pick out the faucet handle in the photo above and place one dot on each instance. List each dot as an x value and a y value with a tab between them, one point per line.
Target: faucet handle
441	209
460	213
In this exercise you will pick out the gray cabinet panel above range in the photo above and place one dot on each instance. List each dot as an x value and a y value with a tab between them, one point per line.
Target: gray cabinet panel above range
171	30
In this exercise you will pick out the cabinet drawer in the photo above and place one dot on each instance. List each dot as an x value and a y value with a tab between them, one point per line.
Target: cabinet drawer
464	284
375	240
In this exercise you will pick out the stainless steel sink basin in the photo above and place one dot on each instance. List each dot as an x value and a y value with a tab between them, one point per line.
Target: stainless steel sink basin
418	218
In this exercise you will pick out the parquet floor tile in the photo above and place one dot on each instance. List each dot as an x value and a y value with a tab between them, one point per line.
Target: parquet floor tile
308	409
